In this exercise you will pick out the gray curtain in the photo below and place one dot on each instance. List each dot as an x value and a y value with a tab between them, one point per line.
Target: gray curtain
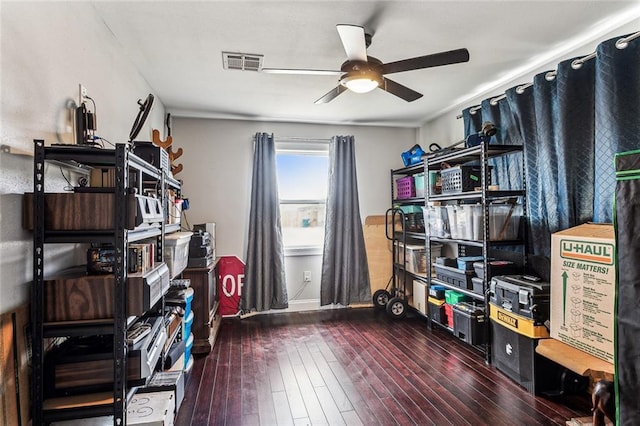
265	285
345	273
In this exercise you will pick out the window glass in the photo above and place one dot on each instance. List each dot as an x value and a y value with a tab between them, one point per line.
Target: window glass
302	187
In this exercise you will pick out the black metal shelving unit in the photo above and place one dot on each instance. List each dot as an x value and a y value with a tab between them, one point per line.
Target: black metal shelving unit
132	174
396	299
479	154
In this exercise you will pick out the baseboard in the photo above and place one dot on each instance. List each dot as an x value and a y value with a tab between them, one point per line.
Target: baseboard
303	305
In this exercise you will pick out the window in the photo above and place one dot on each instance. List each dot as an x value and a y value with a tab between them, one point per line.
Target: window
302	170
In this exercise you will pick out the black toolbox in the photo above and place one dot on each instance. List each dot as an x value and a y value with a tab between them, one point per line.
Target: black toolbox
469	323
514	354
521	295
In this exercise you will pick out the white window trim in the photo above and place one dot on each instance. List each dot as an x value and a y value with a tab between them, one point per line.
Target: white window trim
303	251
310	147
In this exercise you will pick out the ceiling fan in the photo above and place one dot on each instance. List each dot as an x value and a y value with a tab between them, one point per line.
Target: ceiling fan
362	73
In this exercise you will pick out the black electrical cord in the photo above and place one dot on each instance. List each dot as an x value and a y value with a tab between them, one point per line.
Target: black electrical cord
69	187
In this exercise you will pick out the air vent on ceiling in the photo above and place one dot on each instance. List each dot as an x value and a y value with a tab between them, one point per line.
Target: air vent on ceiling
241	61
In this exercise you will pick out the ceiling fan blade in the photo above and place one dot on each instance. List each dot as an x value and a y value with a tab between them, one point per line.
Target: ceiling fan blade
331	95
399	90
373	22
435	60
352	37
300	71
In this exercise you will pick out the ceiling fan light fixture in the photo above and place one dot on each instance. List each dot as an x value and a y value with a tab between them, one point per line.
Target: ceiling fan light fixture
361	81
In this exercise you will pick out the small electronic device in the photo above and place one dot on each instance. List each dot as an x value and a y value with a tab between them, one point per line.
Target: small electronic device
152	154
412	156
137	332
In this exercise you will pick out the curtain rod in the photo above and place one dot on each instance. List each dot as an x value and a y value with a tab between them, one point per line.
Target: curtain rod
300	139
549	76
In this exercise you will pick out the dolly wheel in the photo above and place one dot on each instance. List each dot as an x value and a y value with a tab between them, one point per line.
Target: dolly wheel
397	308
380	299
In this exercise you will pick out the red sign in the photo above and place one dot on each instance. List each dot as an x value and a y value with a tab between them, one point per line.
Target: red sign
230	282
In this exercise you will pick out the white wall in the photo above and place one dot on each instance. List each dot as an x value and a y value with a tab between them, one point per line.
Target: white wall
217	163
47	50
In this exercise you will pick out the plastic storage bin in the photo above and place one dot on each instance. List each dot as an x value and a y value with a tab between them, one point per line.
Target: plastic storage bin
435	182
188	299
454	276
176	251
188	322
413	218
419	183
452	297
466	262
437	310
187	350
405	187
436	251
496	267
448	310
416	258
437	220
465	221
436	292
504	221
478	285
462	179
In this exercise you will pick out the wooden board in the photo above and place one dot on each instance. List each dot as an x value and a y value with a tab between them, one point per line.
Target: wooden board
585	421
85	211
378	252
575	360
14	372
77	298
205	308
74	296
79	401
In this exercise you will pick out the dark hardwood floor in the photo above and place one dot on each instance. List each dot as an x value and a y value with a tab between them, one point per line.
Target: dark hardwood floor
352	367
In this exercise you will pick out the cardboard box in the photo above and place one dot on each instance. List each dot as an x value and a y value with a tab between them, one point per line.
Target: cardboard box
419	301
583	280
15	366
145	409
167	381
152	409
378	250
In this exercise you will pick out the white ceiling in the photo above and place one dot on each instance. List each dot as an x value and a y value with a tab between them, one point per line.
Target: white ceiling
177	46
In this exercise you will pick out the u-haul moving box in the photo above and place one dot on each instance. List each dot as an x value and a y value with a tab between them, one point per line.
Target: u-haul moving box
583	280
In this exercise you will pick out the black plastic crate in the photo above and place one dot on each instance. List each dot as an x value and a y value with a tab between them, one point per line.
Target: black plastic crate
454	276
414	222
437	291
437	312
469	323
497	267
